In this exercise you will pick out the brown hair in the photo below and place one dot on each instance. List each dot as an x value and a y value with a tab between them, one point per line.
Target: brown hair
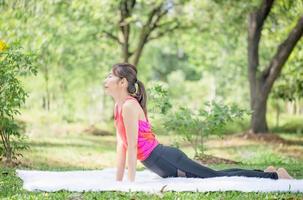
129	71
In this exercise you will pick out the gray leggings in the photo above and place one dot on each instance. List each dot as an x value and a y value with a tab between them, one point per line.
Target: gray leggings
168	161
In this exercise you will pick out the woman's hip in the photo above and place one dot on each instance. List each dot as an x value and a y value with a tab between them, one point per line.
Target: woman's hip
163	160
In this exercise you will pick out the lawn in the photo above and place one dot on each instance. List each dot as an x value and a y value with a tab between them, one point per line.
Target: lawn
81	150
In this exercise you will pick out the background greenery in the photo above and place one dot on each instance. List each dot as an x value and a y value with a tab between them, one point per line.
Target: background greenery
66	113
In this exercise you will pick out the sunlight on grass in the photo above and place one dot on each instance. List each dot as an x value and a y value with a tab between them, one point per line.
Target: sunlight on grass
83	152
70	148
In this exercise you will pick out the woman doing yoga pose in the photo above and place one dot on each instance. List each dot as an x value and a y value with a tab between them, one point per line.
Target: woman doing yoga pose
136	140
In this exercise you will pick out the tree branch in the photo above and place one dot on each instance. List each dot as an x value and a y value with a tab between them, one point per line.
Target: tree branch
271	73
163	32
110	35
159	16
132	53
152	14
164	24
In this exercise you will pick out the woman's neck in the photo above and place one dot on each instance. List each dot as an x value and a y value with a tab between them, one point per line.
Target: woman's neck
121	98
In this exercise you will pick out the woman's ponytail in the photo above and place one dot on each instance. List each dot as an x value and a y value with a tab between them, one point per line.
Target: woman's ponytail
141	96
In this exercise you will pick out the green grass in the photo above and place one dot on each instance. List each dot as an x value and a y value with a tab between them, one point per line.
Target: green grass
71	151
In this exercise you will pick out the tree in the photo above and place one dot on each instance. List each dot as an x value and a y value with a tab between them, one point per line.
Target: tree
262	82
159	21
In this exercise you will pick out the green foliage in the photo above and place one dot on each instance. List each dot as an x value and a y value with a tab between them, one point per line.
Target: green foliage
74	52
171	59
158	98
195	127
13	63
66	35
289	86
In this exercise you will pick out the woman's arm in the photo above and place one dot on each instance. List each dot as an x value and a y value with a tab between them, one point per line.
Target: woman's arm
130	118
121	158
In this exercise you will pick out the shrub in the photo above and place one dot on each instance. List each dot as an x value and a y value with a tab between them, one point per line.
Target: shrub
13	63
195	127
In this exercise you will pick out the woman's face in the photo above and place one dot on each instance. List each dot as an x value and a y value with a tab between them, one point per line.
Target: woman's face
112	84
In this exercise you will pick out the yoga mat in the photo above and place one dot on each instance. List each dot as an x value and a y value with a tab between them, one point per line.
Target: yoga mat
147	181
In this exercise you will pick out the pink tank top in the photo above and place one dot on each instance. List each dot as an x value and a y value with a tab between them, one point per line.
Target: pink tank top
146	138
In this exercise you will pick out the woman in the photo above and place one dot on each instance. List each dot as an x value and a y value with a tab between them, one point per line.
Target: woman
135	139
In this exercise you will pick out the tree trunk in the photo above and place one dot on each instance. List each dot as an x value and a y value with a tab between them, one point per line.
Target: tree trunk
47	93
258	120
261	82
46	97
278	109
257	102
297	100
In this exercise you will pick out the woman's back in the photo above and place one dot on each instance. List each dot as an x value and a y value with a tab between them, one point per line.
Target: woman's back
146	138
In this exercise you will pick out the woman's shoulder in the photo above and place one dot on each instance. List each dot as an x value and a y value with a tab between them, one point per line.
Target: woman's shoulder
130	106
130	101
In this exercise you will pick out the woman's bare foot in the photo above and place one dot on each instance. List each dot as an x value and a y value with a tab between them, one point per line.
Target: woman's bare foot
283	174
270	169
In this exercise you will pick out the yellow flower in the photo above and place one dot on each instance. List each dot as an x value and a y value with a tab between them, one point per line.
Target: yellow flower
3	45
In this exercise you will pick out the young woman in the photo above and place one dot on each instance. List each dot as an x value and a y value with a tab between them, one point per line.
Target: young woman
135	139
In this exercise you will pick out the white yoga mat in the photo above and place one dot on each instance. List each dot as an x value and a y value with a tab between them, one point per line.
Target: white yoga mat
147	181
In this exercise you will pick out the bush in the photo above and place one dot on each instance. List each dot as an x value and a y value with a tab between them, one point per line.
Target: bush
195	127
13	63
